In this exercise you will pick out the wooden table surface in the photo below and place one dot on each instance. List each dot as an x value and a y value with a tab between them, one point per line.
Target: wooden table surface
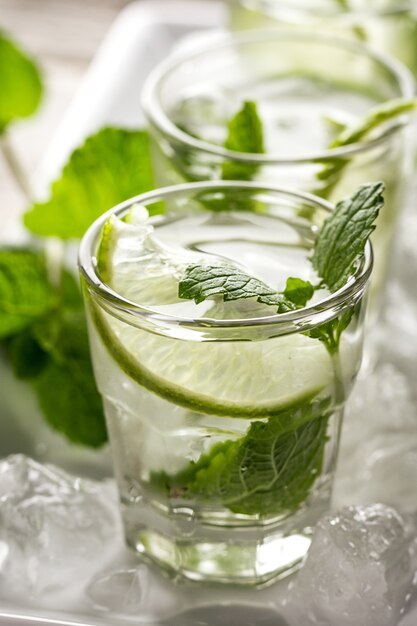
63	35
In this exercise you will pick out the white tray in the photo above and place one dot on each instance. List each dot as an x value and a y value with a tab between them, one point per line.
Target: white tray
141	36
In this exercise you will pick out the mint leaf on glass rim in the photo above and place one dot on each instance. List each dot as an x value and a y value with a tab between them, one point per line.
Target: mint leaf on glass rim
343	235
111	166
206	281
20	83
339	243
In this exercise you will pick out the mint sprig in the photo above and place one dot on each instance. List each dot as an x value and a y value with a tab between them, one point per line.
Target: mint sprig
338	246
272	468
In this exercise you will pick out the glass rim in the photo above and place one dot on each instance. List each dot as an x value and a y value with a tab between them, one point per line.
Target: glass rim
403	7
340	299
157	117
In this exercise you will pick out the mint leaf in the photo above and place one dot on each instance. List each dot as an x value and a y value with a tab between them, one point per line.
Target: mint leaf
27	357
205	281
270	470
298	291
109	167
65	387
69	291
245	134
43	330
343	235
20	83
377	116
25	292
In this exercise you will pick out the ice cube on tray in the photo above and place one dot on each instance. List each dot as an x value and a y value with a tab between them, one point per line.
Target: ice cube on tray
359	570
56	531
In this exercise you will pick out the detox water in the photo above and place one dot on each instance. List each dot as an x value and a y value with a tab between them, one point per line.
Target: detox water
224	425
300	118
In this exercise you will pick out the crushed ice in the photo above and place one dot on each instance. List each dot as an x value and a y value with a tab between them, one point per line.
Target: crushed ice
56	530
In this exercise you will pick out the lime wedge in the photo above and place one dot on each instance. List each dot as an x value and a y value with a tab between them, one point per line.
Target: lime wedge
229	378
235	379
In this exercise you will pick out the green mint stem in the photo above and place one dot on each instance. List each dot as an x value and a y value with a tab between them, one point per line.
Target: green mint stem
340	391
378	115
15	166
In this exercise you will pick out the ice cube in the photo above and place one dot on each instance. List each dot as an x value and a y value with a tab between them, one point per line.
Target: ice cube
120	591
359	570
55	531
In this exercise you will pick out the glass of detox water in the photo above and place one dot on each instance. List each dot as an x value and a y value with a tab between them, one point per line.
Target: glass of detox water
387	25
298	109
223	416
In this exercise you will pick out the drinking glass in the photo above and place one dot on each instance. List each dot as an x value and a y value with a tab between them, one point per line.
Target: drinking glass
389	26
223	417
308	89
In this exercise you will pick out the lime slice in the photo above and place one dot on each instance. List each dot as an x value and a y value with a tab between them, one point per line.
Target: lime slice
237	379
230	378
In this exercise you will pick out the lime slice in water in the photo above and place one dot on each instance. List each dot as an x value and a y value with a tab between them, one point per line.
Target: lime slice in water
234	378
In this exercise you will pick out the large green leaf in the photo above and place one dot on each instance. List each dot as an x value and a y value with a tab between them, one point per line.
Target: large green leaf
112	165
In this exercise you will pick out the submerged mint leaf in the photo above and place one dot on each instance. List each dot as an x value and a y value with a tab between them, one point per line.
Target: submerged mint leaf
25	291
65	387
245	134
343	235
298	291
270	470
205	281
111	166
20	83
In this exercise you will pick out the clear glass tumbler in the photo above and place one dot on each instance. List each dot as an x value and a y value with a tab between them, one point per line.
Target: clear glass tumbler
308	90
386	25
223	417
